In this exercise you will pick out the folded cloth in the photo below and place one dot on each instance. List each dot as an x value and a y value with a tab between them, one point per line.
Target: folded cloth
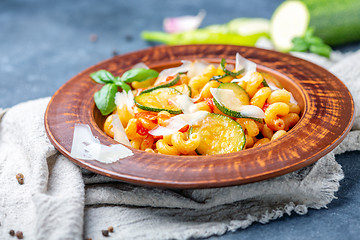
60	201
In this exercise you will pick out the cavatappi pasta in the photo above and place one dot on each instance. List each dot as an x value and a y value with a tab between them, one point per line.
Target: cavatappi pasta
208	109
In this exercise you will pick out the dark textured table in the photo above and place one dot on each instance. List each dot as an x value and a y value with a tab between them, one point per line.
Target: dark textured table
44	43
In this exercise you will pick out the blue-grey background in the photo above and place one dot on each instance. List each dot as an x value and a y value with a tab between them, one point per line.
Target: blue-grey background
43	43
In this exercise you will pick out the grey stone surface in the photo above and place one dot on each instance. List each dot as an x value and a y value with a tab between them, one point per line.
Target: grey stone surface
44	43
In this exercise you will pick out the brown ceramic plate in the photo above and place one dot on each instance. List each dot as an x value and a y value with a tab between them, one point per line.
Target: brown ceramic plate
327	116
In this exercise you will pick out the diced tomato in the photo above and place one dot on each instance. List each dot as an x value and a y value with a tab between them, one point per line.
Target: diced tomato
210	103
158	137
166	81
148	140
141	130
170	78
147	115
184	128
266	105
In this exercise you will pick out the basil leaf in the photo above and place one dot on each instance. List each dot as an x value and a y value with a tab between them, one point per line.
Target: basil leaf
300	45
311	43
139	75
121	84
102	76
321	49
315	41
105	98
308	34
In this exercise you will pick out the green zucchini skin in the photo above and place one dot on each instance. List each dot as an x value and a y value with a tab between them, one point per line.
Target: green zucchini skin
184	89
335	21
231	135
218	78
238	91
232	113
169	84
141	100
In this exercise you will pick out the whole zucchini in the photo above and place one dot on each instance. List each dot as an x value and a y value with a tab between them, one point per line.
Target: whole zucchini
334	21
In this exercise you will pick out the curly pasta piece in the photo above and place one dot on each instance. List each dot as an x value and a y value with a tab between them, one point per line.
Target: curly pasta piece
254	83
149	150
260	97
249	141
146	123
290	120
185	146
219	71
136	143
260	125
162	118
209	71
147	142
267	132
249	126
261	142
197	83
184	79
242	83
273	114
131	130
124	115
201	106
164	148
108	127
278	134
280	95
143	84
294	108
205	92
167	139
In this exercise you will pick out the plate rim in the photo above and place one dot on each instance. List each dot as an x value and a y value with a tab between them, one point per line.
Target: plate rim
195	184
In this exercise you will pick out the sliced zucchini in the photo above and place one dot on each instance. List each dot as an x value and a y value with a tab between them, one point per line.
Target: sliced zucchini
166	85
184	89
239	92
158	100
234	101
219	134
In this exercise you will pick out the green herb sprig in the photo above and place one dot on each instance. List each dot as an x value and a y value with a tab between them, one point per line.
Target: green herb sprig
311	43
233	74
105	98
226	72
229	73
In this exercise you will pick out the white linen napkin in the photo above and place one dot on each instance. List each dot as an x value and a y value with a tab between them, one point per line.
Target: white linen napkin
60	201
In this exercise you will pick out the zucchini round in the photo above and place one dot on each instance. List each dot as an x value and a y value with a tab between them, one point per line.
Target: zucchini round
227	103
157	100
166	85
184	89
234	101
240	93
219	134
